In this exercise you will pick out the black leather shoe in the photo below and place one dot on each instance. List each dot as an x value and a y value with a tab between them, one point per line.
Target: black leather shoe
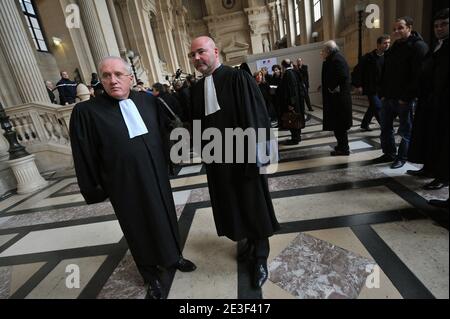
260	273
310	109
340	153
154	290
292	142
435	185
246	252
419	173
185	265
438	203
366	129
385	158
398	164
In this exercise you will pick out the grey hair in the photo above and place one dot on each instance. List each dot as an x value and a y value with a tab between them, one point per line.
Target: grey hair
331	47
125	64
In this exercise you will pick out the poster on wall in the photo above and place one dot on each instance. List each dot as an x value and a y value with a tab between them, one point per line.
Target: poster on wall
268	63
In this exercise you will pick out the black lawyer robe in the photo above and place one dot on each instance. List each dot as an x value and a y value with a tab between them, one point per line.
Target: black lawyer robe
240	197
430	133
291	93
131	172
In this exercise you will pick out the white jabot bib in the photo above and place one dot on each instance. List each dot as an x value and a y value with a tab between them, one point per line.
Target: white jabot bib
439	46
133	119
211	103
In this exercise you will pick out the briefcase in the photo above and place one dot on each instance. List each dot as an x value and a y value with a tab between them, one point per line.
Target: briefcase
292	121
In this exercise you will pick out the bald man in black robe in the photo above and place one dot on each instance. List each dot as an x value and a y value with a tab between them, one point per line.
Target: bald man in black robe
118	154
240	197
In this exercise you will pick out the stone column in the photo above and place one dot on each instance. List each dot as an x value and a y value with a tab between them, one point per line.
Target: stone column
290	27
181	36
164	21
280	16
80	46
19	54
116	27
390	14
305	21
328	20
136	14
93	30
274	32
27	175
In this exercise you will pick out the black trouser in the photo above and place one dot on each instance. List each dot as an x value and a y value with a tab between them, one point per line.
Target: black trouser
373	110
296	135
149	273
262	247
342	139
308	100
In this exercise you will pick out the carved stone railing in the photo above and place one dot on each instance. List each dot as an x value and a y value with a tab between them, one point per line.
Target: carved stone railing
41	123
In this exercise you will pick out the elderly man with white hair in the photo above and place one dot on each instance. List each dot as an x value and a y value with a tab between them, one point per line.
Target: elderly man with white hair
337	101
118	154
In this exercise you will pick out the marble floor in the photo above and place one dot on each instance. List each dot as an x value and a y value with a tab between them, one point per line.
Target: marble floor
351	229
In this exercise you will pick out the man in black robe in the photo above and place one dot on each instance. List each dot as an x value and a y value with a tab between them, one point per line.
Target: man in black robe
240	196
429	141
117	151
303	73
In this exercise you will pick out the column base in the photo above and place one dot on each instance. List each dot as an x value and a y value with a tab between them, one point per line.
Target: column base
27	175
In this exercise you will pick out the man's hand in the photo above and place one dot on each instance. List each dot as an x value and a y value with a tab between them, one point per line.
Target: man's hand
290	108
359	90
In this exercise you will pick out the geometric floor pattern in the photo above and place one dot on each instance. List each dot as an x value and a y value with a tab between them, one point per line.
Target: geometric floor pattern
350	229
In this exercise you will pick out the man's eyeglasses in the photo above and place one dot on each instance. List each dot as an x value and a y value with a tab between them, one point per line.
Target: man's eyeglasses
117	75
192	55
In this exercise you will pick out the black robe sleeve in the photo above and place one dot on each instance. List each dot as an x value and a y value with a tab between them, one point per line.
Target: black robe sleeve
85	156
254	115
252	102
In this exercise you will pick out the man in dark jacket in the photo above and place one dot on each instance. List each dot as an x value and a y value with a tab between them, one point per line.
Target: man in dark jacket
67	89
337	100
366	78
429	142
399	90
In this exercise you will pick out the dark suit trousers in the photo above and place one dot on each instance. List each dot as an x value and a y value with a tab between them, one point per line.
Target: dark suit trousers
342	139
262	248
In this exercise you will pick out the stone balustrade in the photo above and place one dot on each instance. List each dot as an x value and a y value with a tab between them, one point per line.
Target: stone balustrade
43	129
41	123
